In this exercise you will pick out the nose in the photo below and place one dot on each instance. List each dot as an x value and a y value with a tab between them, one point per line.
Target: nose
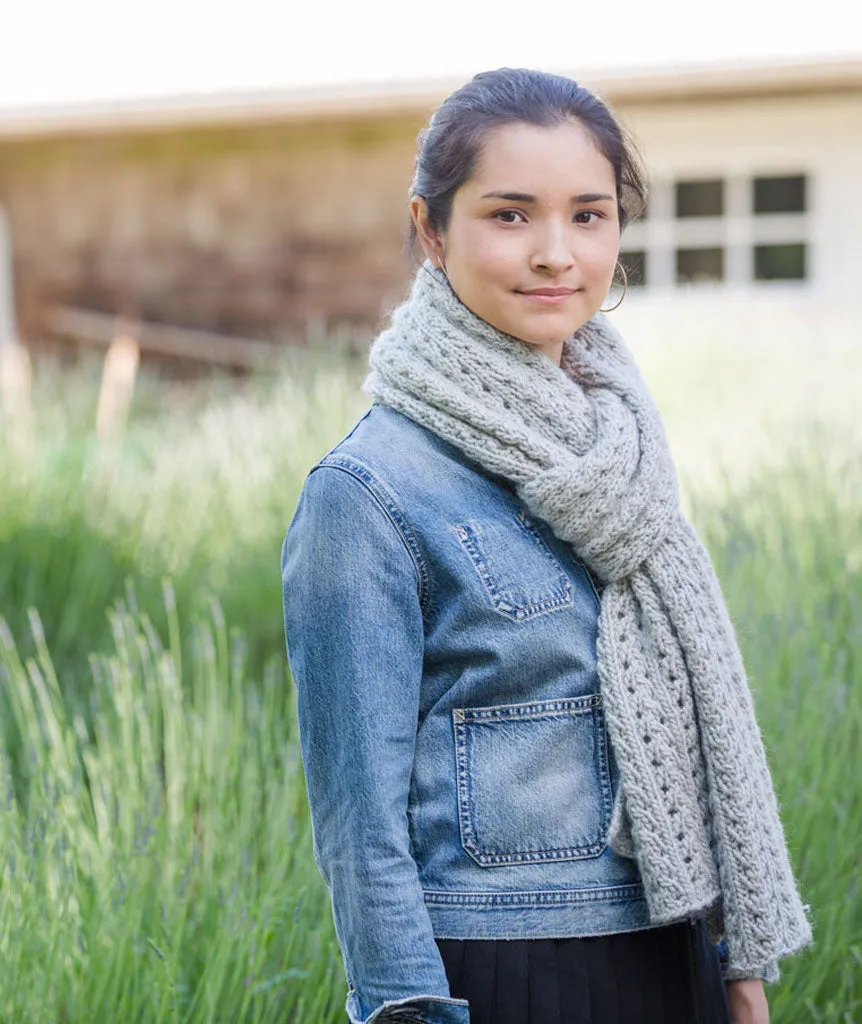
553	251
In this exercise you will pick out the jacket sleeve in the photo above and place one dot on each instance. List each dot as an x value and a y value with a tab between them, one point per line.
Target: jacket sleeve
355	643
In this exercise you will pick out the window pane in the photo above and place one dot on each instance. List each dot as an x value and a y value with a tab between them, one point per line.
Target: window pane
634	260
779	262
780	195
699	265
700	198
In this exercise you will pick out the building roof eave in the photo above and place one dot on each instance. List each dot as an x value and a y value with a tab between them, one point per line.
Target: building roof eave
680	83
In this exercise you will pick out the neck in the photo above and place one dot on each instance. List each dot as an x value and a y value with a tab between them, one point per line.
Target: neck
552	349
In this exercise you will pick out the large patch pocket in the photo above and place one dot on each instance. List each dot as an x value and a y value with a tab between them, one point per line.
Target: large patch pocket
533	780
520	572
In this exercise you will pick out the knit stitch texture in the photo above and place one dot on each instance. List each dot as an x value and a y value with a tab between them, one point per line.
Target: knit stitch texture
585	448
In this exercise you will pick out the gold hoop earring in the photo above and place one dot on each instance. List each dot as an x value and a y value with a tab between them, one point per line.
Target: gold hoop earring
610	309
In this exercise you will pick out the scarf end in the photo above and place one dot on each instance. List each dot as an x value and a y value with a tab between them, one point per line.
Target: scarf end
620	837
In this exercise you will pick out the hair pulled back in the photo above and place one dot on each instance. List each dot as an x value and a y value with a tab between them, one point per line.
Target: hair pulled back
449	145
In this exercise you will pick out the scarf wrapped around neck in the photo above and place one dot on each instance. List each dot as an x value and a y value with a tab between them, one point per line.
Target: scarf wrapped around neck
584	446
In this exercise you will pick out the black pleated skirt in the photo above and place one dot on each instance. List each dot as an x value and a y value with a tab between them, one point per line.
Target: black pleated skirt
665	975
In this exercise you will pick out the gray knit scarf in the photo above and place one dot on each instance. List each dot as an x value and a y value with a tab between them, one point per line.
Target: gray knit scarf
585	448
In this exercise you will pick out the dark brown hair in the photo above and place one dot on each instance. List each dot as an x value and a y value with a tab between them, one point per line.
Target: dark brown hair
449	145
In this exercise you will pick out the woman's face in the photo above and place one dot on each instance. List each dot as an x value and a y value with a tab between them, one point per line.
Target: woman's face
539	212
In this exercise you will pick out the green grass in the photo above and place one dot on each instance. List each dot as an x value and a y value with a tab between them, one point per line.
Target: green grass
156	859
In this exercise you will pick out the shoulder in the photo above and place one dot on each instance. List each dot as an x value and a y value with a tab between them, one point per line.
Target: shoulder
402	462
384	441
354	505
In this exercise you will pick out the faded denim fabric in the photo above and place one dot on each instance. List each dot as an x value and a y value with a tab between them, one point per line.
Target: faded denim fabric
459	774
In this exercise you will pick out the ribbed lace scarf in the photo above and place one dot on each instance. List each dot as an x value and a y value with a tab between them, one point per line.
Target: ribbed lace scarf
585	449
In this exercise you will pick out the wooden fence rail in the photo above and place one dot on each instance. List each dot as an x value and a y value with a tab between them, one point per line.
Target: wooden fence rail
101	329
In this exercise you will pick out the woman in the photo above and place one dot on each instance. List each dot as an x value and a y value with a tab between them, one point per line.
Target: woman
537	786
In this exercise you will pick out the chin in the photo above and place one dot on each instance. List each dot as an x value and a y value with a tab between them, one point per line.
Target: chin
548	336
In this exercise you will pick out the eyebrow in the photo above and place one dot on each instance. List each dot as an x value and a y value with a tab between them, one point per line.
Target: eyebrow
525	197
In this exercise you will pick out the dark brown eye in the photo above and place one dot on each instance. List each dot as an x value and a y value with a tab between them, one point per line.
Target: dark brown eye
508	213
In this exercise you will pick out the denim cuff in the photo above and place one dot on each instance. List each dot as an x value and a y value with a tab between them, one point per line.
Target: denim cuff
414	1010
767	972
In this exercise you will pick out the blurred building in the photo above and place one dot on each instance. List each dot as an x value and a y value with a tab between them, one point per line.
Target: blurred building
282	215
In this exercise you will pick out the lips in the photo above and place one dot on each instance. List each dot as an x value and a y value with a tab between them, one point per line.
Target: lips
548	296
549	291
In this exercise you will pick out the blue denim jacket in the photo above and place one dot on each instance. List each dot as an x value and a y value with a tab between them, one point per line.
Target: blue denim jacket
459	773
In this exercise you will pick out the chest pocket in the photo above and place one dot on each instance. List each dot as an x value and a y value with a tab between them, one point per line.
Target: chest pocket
519	571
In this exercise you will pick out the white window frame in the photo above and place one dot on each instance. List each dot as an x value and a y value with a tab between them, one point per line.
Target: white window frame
738	231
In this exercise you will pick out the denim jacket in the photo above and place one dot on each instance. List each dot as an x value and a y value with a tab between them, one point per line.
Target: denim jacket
459	773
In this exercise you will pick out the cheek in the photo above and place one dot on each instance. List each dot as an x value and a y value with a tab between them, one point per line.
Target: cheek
489	251
599	257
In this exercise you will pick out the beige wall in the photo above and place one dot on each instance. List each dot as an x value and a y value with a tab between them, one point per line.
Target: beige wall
816	135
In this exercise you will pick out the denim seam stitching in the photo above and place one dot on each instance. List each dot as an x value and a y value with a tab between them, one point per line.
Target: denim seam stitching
530	525
462	717
559	598
596	594
537	897
388	504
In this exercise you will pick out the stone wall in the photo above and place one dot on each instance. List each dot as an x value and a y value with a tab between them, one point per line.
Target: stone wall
272	231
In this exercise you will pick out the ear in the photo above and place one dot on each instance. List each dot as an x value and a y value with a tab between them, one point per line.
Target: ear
432	243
